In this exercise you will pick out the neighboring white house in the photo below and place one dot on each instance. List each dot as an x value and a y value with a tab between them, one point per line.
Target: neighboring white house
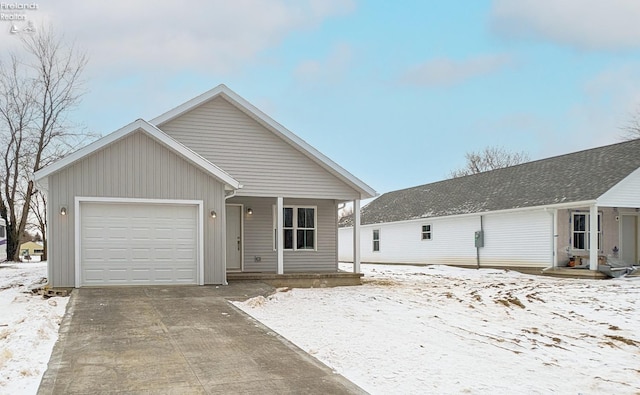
210	187
533	215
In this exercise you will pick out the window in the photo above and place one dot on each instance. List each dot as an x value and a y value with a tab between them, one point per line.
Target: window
299	228
426	232
2	234
376	240
580	231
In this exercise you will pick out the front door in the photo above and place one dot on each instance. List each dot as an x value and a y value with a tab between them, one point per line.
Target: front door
629	239
234	237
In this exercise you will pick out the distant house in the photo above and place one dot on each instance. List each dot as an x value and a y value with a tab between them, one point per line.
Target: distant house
31	248
578	208
210	187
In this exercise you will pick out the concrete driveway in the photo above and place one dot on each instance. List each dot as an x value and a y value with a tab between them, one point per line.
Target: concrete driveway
178	340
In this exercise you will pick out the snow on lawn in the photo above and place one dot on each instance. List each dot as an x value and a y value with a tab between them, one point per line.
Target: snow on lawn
28	327
441	329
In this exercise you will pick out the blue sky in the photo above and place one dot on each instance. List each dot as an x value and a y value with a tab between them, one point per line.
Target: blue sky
395	92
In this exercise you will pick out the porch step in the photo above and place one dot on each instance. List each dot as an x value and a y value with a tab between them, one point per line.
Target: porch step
299	280
575	273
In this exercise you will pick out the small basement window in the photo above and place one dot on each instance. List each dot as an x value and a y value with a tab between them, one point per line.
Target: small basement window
376	240
426	232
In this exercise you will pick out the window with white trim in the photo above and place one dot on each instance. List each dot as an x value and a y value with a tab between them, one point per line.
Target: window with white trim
376	240
425	234
580	231
299	228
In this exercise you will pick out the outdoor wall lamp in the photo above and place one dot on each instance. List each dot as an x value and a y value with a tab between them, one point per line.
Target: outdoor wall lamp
213	214
250	211
63	210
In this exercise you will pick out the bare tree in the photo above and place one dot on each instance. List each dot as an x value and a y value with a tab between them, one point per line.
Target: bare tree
36	95
632	129
490	158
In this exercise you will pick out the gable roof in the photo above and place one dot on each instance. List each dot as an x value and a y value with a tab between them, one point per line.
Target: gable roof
159	135
575	177
289	137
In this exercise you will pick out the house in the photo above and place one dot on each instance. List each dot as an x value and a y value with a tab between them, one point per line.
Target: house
542	214
210	187
31	248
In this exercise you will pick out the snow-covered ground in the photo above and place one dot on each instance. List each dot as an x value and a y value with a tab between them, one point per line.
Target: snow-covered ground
440	329
28	327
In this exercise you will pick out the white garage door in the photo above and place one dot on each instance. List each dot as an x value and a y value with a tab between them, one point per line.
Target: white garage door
138	243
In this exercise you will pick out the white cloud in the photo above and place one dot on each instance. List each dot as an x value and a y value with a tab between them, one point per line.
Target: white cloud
328	70
445	72
584	24
216	36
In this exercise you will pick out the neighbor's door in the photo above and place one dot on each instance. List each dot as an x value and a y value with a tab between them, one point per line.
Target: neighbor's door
629	239
234	237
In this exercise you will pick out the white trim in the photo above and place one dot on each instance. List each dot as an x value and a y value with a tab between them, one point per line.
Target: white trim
423	232
575	205
295	227
241	205
373	239
279	238
90	199
152	131
356	236
279	130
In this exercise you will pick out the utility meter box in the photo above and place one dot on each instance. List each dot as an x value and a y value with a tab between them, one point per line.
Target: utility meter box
479	237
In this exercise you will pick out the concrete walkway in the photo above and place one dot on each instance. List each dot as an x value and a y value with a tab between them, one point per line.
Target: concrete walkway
178	340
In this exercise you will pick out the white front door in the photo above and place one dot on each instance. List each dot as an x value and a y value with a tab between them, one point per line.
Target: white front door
234	237
629	239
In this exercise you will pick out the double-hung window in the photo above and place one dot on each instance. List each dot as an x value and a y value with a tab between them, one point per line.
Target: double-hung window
299	228
580	231
376	240
426	232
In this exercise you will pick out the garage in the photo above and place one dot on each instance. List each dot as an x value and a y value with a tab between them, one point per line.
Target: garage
138	243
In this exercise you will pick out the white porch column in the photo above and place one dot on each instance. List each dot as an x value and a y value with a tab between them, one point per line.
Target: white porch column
593	237
554	243
280	234
356	236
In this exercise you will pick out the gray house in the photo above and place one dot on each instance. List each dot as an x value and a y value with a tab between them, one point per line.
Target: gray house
210	187
532	216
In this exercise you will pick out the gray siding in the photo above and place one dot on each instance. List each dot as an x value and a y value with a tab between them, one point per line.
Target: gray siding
265	164
134	167
259	232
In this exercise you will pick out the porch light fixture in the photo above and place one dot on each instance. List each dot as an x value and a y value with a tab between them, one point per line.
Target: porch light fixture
63	210
250	211
213	214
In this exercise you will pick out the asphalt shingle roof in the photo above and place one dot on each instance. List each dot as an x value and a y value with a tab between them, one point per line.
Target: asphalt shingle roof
578	176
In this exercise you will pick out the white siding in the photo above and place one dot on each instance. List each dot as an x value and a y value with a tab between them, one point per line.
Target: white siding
510	239
262	162
518	239
626	193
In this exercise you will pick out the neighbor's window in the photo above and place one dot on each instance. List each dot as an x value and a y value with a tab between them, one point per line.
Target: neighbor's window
299	228
580	231
2	231
376	240
426	232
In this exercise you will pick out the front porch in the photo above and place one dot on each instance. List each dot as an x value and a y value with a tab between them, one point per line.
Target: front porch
299	280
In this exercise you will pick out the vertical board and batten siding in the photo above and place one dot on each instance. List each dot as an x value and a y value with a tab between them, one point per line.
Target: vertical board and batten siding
626	193
259	233
135	167
510	239
262	162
